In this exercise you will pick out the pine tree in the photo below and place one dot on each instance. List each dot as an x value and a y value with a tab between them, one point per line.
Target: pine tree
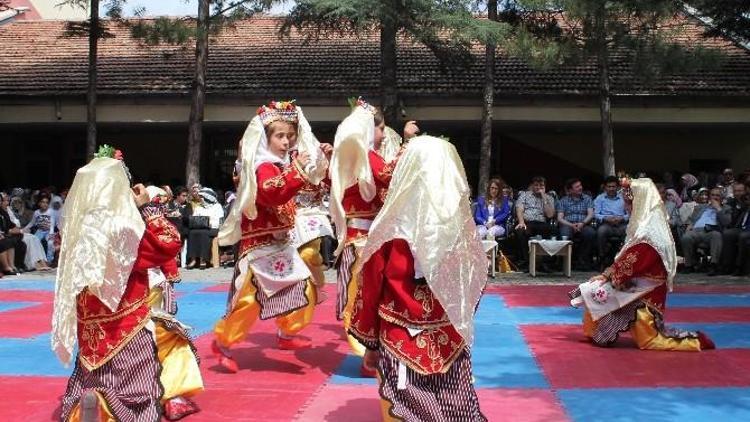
645	32
446	27
213	16
94	29
729	18
485	147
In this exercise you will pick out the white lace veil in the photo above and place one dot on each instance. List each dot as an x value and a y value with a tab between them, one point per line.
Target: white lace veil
428	206
350	165
649	224
101	230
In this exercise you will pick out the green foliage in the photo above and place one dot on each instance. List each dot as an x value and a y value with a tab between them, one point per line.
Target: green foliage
162	30
728	17
647	33
112	8
181	31
446	27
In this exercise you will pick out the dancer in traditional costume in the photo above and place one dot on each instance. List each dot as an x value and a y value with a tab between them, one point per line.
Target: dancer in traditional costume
180	375
270	278
359	183
423	274
109	241
631	294
312	222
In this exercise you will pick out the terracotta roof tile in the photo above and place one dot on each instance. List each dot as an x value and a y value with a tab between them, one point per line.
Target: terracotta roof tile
251	60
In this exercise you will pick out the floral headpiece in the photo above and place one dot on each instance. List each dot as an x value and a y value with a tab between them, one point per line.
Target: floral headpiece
360	102
107	151
285	111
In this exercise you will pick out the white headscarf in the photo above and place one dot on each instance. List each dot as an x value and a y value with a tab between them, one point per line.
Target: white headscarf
154	192
263	153
391	145
350	165
428	206
256	151
307	142
649	224
101	230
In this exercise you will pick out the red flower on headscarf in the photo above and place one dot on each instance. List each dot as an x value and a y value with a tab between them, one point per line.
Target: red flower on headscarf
118	155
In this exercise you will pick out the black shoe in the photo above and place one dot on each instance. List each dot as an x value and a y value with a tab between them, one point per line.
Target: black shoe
10	272
712	271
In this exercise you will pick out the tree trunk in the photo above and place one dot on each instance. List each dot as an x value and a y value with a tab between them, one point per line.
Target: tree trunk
485	154
91	93
605	112
198	104
388	82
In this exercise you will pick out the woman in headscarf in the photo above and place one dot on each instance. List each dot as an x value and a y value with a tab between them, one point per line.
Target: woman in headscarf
631	294
423	274
12	246
35	258
270	279
180	375
688	182
24	215
111	237
359	183
199	239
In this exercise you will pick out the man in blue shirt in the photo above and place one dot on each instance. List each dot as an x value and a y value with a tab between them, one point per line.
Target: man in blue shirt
610	213
704	227
575	211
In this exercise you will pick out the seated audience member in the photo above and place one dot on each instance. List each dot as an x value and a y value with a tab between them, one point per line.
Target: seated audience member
703	227
18	205
178	211
533	208
11	240
672	207
575	211
508	194
726	184
736	234
610	213
43	225
34	257
200	237
688	183
492	211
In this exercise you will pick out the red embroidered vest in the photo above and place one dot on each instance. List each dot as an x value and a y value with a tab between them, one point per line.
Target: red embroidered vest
277	188
101	332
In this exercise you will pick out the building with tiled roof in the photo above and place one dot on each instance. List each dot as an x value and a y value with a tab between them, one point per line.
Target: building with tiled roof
546	121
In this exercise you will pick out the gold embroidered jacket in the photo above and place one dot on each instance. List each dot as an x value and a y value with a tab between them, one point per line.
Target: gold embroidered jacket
391	302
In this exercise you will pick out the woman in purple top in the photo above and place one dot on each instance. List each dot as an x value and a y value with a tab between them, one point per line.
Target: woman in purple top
492	210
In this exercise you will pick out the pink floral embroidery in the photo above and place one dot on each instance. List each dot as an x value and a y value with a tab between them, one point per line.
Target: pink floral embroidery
600	295
279	266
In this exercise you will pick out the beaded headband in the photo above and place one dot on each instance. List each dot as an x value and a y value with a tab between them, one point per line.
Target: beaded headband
360	102
285	111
